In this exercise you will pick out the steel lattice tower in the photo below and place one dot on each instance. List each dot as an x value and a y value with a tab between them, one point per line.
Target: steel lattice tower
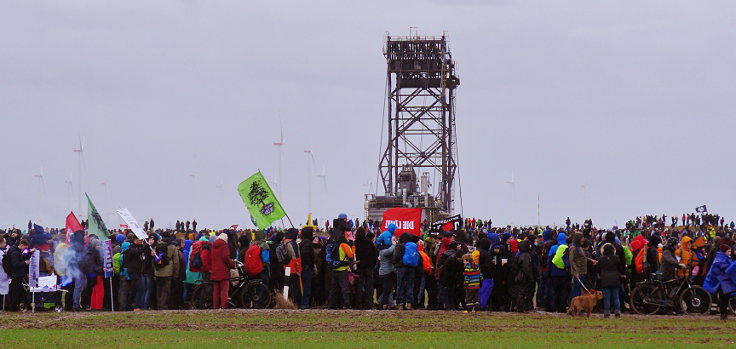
421	84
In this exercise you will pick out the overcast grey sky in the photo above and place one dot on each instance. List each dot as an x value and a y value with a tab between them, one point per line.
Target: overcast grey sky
605	109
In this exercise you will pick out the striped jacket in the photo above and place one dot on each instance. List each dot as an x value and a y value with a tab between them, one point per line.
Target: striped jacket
472	276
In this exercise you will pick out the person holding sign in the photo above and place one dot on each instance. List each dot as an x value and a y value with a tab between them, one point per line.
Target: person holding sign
19	269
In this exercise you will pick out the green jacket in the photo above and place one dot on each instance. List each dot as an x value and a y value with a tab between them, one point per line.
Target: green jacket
557	259
171	269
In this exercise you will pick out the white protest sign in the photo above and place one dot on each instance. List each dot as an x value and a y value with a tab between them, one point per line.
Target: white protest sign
132	223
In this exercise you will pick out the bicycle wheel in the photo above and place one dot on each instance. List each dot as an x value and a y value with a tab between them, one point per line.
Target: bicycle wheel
202	296
256	295
732	304
642	293
695	300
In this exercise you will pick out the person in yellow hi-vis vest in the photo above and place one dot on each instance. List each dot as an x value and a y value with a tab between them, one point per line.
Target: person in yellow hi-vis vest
338	254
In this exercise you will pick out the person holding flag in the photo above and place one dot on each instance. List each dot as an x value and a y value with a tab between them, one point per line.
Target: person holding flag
262	204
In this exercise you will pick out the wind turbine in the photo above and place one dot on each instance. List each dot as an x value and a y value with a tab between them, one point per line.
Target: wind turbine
80	152
279	145
310	160
512	182
42	182
70	186
323	175
195	179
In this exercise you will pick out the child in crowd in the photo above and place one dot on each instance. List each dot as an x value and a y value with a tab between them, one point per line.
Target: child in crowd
472	282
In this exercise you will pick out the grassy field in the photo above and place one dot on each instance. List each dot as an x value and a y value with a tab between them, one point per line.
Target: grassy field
358	329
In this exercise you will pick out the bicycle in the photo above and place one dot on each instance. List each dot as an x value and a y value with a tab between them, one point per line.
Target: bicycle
245	293
653	294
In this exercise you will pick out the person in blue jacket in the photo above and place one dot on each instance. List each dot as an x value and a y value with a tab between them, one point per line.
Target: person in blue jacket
384	240
559	278
721	278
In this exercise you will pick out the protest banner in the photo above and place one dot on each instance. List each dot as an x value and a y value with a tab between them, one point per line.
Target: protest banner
407	220
132	223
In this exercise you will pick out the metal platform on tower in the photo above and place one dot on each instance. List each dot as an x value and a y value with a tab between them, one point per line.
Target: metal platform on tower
421	139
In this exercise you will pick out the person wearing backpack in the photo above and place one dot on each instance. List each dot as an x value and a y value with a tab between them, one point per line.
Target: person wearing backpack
338	255
221	263
166	266
406	260
386	276
543	287
426	280
524	278
308	255
290	258
367	256
277	268
559	275
611	272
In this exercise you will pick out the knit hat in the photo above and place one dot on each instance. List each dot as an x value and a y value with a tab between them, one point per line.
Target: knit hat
307	233
222	237
342	216
292	233
259	235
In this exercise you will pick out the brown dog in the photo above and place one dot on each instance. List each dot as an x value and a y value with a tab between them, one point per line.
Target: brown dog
585	302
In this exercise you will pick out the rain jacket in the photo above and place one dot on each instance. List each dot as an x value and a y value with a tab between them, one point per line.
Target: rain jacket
384	240
686	254
193	277
557	254
220	261
722	274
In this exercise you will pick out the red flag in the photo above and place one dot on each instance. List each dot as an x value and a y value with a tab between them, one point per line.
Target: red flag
72	225
234	227
408	220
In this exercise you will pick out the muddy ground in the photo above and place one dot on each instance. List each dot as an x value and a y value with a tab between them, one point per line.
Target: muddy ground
364	321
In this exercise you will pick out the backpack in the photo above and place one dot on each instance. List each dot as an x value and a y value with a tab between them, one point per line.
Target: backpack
162	256
195	257
639	261
411	255
282	254
7	265
398	257
332	255
253	263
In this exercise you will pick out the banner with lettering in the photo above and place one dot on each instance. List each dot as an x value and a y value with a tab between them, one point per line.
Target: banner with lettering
408	220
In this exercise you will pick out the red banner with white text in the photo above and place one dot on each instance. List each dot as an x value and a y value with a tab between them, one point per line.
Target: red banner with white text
408	220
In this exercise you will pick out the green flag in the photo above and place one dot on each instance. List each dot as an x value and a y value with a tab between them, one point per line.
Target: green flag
262	204
95	225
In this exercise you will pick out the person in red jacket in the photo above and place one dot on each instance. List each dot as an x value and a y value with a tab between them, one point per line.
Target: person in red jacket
220	265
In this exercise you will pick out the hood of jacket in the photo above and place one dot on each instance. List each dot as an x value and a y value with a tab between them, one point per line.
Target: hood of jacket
685	242
525	246
495	239
219	243
547	235
562	239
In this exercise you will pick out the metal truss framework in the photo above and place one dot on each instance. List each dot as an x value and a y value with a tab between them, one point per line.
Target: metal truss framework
421	82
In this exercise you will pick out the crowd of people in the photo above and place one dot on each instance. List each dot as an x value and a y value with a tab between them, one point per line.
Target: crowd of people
471	267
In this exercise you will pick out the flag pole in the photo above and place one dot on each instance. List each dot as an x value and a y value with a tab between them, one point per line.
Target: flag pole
112	300
287	217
